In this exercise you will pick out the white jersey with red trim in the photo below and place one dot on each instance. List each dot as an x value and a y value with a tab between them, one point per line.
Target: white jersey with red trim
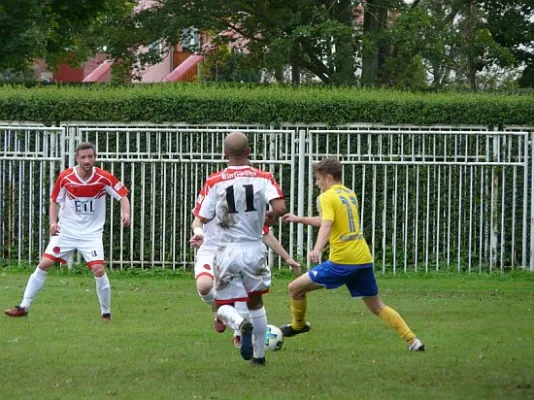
236	198
211	230
82	212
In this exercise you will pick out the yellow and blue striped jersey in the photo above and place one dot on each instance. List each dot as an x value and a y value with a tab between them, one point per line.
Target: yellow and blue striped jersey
339	204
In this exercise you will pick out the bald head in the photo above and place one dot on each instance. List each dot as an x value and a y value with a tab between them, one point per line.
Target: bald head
236	145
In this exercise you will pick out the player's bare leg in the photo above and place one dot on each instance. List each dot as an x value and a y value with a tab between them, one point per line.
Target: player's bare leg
394	320
103	290
205	288
204	285
34	285
297	291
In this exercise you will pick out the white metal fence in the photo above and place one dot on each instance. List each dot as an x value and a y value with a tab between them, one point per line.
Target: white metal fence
437	198
30	157
430	198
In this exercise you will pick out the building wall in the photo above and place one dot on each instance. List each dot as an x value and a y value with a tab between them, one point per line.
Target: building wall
157	72
92	63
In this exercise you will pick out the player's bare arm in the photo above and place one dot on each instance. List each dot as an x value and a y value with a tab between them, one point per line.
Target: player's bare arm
198	233
54	212
322	239
125	211
272	242
278	208
313	221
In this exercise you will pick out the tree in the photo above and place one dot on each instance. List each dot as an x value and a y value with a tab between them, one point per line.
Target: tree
308	35
460	39
58	31
527	77
223	65
376	47
21	39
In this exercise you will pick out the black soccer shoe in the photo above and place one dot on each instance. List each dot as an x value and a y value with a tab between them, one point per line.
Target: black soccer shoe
257	362
247	349
289	331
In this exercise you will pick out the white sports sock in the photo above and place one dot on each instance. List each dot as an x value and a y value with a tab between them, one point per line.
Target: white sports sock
207	298
103	291
242	309
229	316
259	325
35	283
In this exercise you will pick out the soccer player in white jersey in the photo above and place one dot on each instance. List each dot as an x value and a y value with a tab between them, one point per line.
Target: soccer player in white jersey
236	198
77	216
204	239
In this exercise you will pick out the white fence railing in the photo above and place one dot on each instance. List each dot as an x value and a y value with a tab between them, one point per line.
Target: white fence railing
431	198
437	198
30	157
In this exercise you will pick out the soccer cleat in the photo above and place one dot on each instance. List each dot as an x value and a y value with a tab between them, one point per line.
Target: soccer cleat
18	311
246	340
236	340
106	317
257	362
416	345
289	331
219	325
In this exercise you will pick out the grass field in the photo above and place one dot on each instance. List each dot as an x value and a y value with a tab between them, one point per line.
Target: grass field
478	331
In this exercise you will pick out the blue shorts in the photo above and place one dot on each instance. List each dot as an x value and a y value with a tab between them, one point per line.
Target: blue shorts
359	279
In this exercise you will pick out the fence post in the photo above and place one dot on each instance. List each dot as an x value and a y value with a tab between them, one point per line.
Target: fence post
62	150
71	135
494	203
300	195
292	189
525	219
531	201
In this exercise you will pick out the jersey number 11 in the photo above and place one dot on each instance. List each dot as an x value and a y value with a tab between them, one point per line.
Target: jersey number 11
249	199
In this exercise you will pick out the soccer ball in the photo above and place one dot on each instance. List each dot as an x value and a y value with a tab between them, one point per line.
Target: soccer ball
274	339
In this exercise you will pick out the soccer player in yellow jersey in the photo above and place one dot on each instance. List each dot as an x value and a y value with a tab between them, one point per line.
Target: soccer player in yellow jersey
350	262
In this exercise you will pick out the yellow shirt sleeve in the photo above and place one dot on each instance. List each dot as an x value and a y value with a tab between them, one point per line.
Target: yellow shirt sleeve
325	208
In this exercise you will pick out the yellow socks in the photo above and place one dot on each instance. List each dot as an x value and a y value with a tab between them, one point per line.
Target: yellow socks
298	310
393	319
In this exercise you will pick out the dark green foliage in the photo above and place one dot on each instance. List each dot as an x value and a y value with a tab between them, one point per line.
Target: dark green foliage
195	103
57	31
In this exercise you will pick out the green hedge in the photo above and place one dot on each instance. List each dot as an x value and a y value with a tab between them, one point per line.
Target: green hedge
198	103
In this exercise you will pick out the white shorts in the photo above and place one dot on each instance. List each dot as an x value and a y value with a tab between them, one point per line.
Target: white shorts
60	248
204	261
240	270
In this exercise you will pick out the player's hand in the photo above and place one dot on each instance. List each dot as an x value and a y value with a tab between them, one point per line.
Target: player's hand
269	218
295	266
126	219
314	256
287	218
196	241
54	229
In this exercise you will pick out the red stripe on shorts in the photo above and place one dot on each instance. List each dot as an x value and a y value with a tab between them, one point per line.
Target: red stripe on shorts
56	259
204	274
230	301
260	292
91	263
